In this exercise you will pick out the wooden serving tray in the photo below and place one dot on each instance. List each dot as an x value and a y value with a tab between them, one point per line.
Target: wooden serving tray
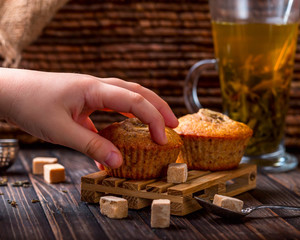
140	193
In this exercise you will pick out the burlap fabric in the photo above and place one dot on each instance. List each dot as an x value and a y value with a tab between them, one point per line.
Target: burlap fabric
21	22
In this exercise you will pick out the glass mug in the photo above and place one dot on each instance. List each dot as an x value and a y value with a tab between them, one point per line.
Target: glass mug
255	43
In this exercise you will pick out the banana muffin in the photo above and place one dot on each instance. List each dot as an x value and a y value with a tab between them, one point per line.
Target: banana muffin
142	157
212	141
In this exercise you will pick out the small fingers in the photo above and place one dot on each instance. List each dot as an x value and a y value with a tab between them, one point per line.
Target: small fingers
165	110
124	100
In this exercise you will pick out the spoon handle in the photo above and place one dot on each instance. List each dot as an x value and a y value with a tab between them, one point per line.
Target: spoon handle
250	209
278	207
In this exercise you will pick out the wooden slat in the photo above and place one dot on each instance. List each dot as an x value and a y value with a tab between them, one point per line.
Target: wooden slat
209	180
113	181
93	178
137	184
238	185
162	186
189	205
136	202
128	192
216	189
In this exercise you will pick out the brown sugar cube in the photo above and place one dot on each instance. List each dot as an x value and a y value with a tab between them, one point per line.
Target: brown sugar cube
160	213
114	207
39	162
177	173
54	173
230	203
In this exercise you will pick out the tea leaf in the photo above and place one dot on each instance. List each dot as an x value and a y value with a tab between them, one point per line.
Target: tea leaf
12	203
24	184
3	182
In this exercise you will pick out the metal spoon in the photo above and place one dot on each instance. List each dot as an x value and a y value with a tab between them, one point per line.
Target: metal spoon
226	213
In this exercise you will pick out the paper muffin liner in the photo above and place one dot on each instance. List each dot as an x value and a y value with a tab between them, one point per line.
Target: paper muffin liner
212	154
142	164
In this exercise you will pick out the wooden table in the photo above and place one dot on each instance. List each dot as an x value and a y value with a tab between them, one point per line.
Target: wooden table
61	215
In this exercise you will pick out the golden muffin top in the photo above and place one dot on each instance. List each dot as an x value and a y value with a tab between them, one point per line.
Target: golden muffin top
208	123
135	134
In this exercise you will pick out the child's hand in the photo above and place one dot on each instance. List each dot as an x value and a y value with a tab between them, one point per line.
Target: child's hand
56	107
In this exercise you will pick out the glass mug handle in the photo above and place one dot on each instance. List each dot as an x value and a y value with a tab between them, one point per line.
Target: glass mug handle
191	99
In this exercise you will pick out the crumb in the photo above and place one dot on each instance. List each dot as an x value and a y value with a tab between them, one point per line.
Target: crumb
35	200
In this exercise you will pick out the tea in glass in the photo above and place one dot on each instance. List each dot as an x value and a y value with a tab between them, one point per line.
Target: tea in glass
255	64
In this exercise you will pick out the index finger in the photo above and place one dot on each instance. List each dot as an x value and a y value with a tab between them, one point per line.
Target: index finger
152	97
124	100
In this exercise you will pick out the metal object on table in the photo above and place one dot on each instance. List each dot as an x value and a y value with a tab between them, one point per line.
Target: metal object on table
8	152
227	213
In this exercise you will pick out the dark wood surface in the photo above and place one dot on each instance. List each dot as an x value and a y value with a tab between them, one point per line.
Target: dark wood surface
61	215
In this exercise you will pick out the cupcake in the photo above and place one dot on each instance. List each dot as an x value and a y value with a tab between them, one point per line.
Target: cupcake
212	141
142	158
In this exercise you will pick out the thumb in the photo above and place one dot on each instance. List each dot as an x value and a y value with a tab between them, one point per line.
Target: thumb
89	143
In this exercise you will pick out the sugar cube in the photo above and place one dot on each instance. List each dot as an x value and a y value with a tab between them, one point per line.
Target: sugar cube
39	162
160	213
54	173
230	203
114	207
177	173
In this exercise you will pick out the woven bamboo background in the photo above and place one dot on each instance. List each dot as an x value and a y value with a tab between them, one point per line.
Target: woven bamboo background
153	43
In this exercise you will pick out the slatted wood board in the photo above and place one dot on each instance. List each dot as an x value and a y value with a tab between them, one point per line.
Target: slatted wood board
141	193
